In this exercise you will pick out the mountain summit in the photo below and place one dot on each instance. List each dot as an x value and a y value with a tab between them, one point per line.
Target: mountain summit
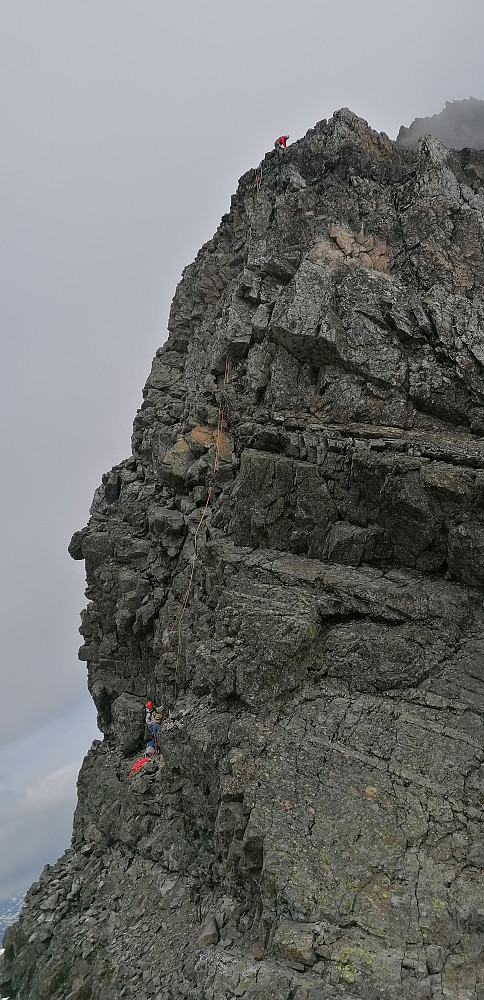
291	562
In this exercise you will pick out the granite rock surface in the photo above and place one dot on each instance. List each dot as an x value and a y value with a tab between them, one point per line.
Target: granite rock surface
312	829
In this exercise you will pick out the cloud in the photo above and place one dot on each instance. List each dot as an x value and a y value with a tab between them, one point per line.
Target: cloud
29	839
35	827
38	797
56	788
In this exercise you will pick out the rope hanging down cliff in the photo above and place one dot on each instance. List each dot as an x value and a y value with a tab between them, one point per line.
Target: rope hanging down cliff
181	609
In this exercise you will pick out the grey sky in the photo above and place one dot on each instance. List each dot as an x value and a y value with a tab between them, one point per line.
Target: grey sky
38	795
125	125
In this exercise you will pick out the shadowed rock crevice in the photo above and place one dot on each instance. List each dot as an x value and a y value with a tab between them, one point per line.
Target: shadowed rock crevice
311	829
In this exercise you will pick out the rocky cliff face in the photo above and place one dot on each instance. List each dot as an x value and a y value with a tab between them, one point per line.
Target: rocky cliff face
312	828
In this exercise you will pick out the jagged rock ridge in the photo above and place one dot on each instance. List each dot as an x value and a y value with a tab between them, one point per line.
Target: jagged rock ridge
313	827
459	125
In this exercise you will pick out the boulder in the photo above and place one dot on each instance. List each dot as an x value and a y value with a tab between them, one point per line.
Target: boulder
128	722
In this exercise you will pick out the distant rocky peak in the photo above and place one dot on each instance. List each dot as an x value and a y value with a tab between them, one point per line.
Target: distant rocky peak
459	125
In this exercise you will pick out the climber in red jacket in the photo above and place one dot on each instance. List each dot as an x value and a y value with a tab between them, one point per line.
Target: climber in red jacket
280	143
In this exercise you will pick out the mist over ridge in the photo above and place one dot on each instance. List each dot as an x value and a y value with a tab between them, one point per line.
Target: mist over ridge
459	125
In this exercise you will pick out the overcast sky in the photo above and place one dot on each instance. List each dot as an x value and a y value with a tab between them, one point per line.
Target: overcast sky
124	126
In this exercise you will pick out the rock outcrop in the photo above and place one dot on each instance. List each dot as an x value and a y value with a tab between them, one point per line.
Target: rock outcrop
459	125
312	828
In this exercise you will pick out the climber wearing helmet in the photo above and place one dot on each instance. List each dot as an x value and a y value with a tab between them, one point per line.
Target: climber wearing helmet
153	719
280	143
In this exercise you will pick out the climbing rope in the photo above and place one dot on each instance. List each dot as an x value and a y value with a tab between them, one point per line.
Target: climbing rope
138	765
258	177
178	658
258	183
181	609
